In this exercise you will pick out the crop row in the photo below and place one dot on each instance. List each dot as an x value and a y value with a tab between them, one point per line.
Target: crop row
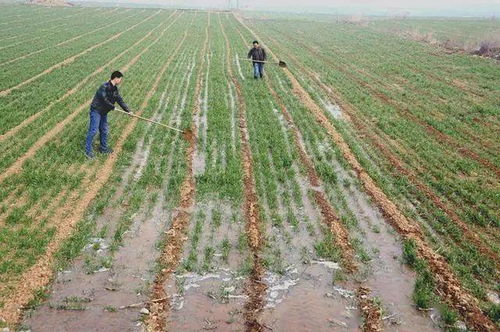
462	257
58	168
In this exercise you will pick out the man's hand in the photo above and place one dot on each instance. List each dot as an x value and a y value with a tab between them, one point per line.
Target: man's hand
130	113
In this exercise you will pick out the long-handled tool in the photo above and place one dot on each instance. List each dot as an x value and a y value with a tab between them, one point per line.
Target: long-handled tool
149	120
280	63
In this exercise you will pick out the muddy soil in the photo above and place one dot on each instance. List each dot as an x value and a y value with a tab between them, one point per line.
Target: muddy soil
388	278
92	296
212	301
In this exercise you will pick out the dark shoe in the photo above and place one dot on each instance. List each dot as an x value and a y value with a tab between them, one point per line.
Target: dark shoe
106	151
255	77
261	76
89	155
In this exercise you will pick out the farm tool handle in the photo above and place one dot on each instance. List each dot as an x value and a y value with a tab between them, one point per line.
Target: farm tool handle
280	63
148	120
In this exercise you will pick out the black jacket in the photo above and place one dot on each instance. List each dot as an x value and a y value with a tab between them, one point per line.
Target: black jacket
106	97
257	54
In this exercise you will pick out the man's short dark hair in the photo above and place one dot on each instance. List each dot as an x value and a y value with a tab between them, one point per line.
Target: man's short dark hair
255	42
116	74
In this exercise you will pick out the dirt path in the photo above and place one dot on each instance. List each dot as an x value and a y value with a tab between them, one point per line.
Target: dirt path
159	305
71	59
448	286
41	272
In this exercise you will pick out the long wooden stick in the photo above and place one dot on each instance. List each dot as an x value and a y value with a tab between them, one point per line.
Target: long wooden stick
279	63
149	120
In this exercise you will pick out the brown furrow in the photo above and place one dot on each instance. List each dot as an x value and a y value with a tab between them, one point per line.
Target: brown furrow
17	165
327	211
399	166
159	305
69	214
70	92
12	201
372	317
255	287
51	20
27	20
448	286
454	83
66	41
46	29
405	112
71	59
372	314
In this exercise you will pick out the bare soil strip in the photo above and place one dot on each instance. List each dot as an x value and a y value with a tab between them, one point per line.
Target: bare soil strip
159	305
42	30
255	288
41	273
327	211
71	59
67	41
403	111
455	83
34	38
51	20
33	117
440	136
330	218
17	165
448	286
398	165
132	265
27	19
372	314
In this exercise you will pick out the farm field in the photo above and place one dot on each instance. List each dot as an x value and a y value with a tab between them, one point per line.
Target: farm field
355	189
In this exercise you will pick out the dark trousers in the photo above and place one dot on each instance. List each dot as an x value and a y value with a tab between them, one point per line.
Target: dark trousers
97	121
258	69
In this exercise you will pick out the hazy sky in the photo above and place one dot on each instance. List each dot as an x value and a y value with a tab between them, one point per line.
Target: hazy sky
392	3
367	6
328	3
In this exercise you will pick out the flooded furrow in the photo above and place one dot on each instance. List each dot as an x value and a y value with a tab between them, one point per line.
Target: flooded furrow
160	305
103	286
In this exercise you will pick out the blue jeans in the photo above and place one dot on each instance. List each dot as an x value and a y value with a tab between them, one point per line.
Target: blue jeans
97	121
258	69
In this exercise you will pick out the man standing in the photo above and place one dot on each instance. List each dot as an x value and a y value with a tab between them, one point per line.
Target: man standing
103	102
259	54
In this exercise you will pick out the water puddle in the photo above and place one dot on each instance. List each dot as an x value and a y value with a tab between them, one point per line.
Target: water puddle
212	301
239	67
306	299
333	109
389	279
109	295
